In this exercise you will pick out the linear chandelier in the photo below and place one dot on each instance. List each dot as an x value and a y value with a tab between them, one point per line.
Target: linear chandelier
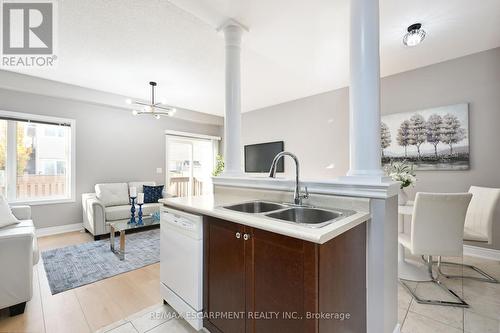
155	109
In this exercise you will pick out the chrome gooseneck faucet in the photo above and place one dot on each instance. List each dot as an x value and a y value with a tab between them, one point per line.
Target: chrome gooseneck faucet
297	197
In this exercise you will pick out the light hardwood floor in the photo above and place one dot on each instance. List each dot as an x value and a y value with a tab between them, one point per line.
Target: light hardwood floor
87	308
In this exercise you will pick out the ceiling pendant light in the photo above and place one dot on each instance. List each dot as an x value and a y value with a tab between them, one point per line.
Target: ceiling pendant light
414	36
155	109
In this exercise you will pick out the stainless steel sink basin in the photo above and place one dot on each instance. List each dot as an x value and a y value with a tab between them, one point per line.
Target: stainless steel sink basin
313	217
304	215
256	207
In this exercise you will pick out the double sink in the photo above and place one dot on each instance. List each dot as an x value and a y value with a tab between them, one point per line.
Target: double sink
303	215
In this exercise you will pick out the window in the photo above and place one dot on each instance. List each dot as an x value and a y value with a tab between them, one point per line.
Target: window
36	157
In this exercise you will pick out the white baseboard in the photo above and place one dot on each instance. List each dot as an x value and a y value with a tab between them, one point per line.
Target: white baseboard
397	329
481	252
40	232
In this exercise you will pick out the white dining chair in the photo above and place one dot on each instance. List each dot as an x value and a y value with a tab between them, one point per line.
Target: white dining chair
437	229
478	228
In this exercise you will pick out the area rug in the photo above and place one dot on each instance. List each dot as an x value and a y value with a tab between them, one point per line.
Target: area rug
77	265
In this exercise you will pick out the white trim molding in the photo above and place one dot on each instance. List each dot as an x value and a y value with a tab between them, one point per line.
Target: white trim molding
192	135
60	229
481	252
45	201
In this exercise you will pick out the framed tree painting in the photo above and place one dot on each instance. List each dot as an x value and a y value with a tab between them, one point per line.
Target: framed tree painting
431	139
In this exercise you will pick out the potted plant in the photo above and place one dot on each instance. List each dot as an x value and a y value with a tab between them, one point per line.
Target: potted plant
219	165
402	172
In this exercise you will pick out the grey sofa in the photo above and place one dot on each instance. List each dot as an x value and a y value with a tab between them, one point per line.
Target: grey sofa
110	203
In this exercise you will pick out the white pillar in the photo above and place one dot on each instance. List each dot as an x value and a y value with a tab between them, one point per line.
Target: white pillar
232	112
364	90
365	163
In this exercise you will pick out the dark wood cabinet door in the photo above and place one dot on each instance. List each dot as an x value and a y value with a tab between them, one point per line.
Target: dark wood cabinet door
281	283
224	275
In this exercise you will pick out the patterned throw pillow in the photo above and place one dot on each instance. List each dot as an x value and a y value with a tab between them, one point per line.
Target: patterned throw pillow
6	216
152	193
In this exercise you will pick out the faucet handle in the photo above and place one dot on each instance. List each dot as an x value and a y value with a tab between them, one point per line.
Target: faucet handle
306	194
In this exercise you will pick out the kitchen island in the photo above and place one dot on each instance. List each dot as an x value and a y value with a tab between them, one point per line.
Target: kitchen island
261	274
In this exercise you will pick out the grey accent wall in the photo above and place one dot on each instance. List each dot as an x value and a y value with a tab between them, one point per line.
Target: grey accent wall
316	127
111	146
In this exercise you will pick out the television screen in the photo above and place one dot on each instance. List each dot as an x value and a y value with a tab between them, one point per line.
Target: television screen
258	157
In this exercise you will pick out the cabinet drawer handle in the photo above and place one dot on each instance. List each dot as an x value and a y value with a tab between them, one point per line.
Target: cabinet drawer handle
238	235
246	237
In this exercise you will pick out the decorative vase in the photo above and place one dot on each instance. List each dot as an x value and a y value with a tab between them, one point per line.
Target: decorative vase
402	197
139	222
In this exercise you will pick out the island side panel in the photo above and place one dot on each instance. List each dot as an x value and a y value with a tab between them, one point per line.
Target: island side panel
382	266
342	281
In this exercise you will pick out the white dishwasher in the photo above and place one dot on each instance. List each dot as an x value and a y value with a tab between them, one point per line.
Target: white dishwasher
181	263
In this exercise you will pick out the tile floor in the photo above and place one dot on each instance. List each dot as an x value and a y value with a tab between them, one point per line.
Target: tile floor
483	316
156	319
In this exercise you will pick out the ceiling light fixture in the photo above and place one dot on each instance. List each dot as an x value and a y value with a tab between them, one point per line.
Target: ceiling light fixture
154	109
414	36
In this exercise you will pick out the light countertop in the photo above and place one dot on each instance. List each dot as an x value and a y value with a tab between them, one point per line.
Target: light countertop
211	206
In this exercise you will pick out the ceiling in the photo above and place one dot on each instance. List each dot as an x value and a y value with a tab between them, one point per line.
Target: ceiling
295	48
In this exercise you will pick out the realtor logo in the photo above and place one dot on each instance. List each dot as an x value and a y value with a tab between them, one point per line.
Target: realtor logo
28	29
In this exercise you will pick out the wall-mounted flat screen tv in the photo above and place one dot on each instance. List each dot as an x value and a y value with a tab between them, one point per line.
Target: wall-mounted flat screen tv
258	157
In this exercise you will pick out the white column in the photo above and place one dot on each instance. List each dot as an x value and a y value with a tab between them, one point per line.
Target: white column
364	90
232	112
365	161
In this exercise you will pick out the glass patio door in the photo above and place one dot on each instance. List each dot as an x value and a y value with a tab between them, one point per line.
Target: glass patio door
190	162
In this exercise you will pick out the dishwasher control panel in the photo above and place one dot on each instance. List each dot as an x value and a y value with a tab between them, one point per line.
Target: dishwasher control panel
182	220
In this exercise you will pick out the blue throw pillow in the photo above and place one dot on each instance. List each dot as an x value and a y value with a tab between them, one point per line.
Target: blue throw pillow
152	193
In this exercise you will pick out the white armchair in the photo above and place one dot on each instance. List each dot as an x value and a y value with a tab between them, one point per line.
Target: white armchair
18	254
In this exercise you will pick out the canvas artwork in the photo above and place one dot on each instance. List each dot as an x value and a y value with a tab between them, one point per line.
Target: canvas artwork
431	139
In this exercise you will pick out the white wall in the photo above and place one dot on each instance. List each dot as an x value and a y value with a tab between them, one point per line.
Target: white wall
111	145
305	127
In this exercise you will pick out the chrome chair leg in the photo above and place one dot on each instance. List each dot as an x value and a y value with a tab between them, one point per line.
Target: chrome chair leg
486	277
460	302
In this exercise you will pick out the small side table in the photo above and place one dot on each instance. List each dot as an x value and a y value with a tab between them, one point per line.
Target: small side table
121	251
122	226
